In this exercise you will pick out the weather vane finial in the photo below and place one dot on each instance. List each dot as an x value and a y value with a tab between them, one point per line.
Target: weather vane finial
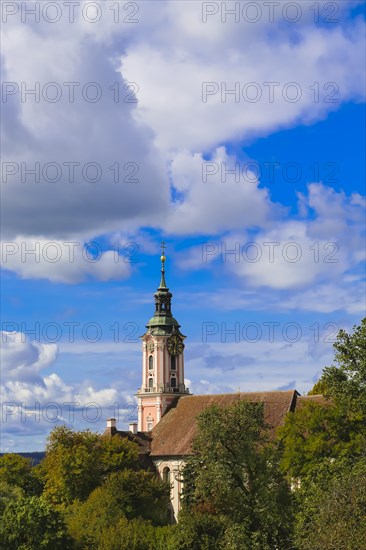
163	257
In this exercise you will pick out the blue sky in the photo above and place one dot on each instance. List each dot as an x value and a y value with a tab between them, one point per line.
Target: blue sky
291	211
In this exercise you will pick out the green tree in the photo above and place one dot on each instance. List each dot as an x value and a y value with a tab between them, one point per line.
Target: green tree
31	524
118	453
197	531
125	495
136	534
71	466
346	381
233	475
319	388
78	462
17	470
334	429
8	493
332	509
317	433
324	447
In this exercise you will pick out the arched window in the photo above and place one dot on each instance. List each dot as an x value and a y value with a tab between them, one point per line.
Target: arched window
151	362
166	475
173	382
172	362
151	382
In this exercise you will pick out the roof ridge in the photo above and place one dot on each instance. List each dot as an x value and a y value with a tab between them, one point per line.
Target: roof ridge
236	393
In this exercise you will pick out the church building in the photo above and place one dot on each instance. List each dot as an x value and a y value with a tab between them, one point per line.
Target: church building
167	411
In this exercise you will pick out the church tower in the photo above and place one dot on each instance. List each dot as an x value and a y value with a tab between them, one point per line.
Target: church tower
162	360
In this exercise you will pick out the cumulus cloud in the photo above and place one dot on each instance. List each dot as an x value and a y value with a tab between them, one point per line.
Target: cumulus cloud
94	168
321	250
192	110
62	261
24	380
210	199
34	398
102	167
23	359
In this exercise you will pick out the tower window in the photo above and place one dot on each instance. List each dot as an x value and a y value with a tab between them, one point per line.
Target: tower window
151	362
166	475
173	382
151	382
173	362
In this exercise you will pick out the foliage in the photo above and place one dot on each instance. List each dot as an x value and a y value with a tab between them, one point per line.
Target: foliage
324	447
332	509
125	495
334	429
197	531
30	523
135	534
233	475
346	383
16	470
77	462
318	432
8	493
139	494
118	453
320	388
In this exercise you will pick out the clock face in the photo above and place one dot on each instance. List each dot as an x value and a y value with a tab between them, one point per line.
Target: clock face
150	346
175	345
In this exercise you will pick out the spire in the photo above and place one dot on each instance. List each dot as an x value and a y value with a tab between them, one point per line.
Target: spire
162	295
163	322
163	258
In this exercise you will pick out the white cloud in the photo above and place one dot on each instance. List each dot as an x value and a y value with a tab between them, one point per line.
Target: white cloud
286	257
62	261
131	186
33	401
210	200
166	41
23	359
224	54
23	379
321	253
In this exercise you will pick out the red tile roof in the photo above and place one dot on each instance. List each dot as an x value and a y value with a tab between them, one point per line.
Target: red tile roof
320	399
173	435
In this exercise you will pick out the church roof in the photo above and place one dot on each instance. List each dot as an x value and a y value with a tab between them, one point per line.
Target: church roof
320	399
174	434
